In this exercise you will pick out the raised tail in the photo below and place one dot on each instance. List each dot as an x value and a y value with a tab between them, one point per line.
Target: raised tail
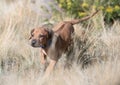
76	21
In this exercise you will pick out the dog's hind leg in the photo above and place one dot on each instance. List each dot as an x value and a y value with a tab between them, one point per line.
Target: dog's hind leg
69	57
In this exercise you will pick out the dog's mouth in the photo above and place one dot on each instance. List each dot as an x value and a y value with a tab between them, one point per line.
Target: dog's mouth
37	46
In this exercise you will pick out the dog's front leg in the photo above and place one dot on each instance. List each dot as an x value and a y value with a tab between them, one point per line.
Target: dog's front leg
50	68
42	57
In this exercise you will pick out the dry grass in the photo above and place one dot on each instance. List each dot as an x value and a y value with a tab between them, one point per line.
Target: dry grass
97	51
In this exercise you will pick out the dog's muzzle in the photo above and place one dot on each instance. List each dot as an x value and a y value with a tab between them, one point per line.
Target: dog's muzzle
35	43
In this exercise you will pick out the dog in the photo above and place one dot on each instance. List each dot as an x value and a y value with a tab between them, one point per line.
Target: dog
54	43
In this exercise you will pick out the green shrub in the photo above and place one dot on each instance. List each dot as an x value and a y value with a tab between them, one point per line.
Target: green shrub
81	8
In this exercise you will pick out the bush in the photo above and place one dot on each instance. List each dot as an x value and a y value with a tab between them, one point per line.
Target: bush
81	8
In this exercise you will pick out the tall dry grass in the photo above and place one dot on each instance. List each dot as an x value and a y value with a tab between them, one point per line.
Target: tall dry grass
94	58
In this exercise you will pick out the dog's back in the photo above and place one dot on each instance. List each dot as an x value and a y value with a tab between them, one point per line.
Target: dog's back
65	34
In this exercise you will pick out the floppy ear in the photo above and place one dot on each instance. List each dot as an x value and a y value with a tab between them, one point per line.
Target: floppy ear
50	32
31	33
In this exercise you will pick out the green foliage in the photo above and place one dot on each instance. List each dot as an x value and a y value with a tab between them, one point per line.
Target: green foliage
81	8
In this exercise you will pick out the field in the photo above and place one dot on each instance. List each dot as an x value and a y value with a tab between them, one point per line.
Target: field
94	59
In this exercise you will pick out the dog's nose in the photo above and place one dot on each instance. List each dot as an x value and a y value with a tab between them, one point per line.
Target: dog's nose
33	42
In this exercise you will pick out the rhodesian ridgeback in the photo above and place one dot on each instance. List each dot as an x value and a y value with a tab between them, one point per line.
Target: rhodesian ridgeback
54	43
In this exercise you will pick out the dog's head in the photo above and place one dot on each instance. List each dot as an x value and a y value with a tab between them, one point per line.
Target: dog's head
40	36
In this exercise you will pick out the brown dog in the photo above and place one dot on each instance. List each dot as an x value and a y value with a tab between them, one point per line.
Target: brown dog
54	43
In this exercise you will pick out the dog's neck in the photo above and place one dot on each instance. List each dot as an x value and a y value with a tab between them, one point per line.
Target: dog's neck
49	42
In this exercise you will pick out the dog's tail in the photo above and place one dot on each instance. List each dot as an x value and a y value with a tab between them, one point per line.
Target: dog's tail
76	21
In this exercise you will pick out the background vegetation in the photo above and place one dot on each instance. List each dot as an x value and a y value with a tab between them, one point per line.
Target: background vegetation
81	8
94	59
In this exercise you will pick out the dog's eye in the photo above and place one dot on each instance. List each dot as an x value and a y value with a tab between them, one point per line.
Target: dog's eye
41	36
32	35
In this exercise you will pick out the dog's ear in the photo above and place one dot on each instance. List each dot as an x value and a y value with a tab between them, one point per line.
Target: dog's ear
50	32
31	33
